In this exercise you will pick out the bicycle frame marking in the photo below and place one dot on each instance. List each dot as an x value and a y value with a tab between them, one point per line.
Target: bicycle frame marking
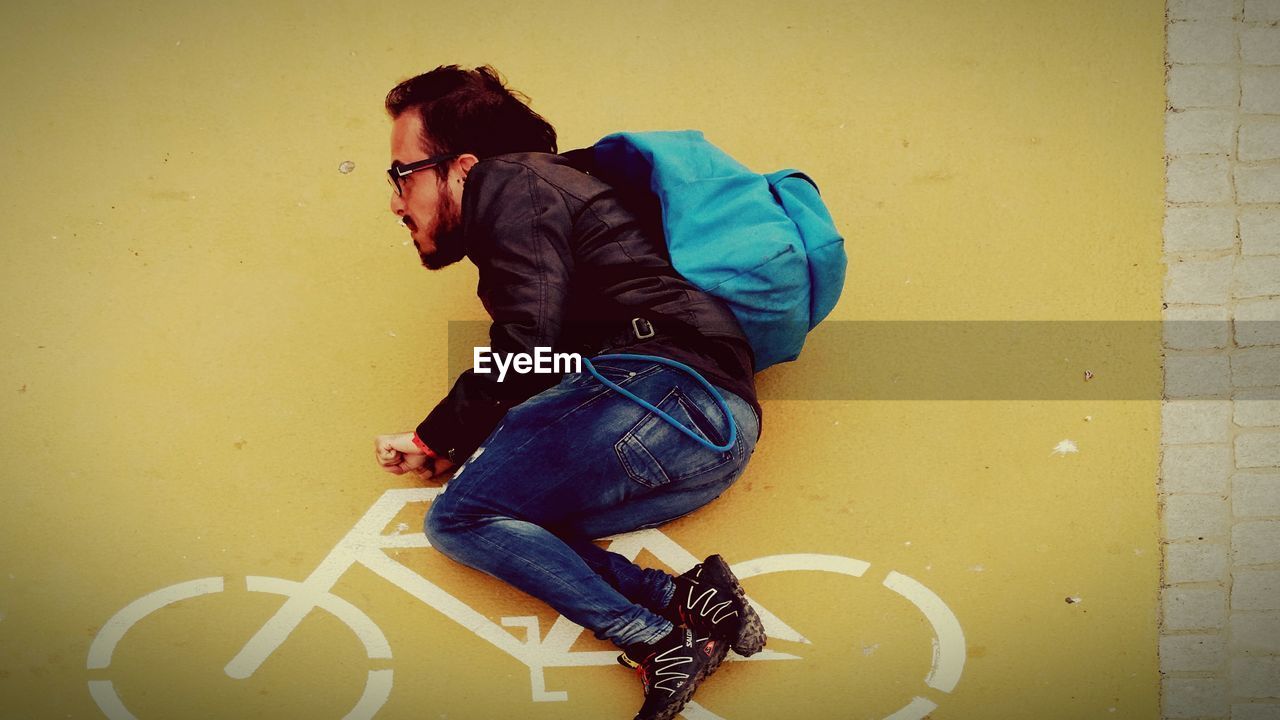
365	544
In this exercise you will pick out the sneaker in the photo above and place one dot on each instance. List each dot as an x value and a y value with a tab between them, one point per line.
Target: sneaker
709	600
671	669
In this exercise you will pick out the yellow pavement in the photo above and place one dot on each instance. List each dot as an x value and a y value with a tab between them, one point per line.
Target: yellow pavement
209	313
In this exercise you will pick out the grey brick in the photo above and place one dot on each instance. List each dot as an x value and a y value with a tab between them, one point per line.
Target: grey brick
1199	282
1260	231
1195	562
1195	469
1255	633
1198	178
1257	275
1256	495
1255	590
1188	132
1196	327
1195	697
1260	89
1260	412
1256	677
1259	136
1260	45
1192	653
1212	86
1193	229
1195	421
1188	376
1256	367
1255	711
1256	542
1262	11
1258	449
1257	322
1195	517
1201	41
1194	608
1201	9
1259	184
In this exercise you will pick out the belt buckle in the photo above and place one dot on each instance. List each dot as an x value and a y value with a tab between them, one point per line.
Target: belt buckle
642	334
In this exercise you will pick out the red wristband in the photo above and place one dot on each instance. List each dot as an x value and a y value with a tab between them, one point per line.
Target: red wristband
423	447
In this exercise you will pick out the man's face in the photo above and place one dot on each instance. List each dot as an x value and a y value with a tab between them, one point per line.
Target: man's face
429	207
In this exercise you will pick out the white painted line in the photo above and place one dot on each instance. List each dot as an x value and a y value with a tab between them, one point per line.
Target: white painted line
376	691
375	643
105	642
764	655
914	710
563	633
801	561
694	711
451	607
774	627
948	649
537	679
657	543
415	540
104	693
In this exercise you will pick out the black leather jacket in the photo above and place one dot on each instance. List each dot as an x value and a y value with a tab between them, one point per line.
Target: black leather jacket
567	262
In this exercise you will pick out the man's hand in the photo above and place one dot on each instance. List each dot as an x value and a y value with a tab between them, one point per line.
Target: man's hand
397	454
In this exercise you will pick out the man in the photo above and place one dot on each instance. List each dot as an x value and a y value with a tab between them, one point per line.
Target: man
555	461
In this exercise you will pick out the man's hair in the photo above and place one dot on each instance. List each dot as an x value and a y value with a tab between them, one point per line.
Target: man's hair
471	111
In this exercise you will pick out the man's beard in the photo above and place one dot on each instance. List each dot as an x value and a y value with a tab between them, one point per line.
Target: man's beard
450	247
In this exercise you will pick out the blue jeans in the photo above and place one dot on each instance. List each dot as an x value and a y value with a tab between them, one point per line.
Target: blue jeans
578	462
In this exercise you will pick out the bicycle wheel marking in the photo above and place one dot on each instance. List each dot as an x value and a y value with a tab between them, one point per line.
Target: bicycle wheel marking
774	626
948	649
378	683
376	691
948	641
105	642
914	710
104	693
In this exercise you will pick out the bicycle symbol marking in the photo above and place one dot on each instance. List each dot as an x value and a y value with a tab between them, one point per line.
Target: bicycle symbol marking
366	544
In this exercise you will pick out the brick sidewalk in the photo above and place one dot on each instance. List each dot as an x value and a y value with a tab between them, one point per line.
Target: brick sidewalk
1220	482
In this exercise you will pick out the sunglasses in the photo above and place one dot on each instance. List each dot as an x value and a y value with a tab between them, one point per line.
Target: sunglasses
398	172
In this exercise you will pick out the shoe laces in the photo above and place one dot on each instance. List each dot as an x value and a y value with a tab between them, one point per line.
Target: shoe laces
638	668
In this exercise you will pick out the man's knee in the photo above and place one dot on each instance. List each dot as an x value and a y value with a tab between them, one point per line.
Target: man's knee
441	525
458	530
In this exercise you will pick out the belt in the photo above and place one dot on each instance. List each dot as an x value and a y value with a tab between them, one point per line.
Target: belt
638	330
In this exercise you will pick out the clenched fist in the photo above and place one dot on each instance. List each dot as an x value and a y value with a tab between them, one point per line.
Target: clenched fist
397	454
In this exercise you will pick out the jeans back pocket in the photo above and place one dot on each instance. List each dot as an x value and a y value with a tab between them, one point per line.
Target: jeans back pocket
655	453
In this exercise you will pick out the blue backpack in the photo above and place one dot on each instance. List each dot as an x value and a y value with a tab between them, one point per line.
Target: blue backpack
764	244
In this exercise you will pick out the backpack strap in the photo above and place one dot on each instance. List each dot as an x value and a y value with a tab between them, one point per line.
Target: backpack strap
583	159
